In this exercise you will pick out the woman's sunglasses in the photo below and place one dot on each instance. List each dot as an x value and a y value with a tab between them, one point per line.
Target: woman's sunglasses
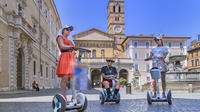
109	61
156	39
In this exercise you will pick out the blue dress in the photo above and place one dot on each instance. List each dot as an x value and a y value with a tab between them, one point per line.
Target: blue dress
159	51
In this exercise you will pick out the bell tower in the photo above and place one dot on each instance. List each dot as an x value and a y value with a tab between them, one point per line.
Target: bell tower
115	10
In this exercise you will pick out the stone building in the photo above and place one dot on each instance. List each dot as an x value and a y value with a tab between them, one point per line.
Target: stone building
194	56
28	50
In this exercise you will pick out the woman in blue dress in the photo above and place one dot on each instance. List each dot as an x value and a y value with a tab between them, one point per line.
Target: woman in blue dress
159	53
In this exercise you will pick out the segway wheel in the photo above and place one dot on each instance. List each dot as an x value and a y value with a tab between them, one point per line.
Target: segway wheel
118	98
169	97
101	98
58	103
149	98
84	106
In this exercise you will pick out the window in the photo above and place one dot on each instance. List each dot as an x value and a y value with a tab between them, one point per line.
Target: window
46	14
52	73
104	45
119	9
136	67
40	4
192	63
181	44
137	81
47	43
147	44
135	44
20	10
147	55
85	55
47	72
147	68
197	62
102	53
116	18
170	44
113	8
94	53
148	79
136	56
170	54
53	27
41	38
34	68
41	71
34	26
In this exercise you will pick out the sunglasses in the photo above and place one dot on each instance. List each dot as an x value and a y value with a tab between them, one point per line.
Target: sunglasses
109	61
69	29
157	39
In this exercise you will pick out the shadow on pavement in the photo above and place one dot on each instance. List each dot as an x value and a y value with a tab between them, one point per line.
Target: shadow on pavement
48	92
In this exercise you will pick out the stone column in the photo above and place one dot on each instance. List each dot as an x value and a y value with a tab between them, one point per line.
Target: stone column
12	64
130	74
26	66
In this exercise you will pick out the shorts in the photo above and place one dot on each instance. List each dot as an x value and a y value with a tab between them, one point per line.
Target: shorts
110	81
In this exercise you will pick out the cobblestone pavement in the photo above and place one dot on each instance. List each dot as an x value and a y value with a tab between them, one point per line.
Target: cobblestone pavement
32	101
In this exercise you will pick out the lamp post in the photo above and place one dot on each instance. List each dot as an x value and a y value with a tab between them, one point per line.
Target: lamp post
116	57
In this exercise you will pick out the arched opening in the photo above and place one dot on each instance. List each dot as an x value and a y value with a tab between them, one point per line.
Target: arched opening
96	78
123	76
20	70
113	8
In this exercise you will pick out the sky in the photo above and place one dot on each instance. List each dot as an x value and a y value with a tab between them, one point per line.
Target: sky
169	17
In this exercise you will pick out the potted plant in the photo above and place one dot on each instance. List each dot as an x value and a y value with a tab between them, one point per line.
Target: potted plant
122	82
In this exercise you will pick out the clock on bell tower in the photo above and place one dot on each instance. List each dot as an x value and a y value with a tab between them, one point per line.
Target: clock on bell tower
116	25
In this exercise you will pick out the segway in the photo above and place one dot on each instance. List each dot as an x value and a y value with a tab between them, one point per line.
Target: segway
103	97
79	103
156	75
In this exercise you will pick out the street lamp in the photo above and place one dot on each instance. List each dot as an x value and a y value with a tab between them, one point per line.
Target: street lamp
116	57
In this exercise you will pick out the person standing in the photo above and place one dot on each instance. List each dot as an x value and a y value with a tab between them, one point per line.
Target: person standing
65	66
159	53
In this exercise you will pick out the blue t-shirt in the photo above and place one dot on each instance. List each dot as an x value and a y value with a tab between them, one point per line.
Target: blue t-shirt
159	51
108	71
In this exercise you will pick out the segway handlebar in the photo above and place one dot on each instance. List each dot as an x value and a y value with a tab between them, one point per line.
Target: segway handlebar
81	50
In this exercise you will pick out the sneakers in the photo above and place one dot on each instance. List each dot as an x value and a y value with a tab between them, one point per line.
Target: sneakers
154	96
115	97
74	101
163	95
